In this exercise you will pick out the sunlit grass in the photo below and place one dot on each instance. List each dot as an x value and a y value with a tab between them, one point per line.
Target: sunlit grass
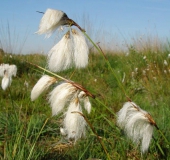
28	131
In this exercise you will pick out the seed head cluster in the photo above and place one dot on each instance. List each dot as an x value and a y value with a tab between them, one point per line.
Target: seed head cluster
137	124
69	99
65	98
72	50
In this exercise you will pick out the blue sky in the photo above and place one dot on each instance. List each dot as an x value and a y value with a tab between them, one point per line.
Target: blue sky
123	19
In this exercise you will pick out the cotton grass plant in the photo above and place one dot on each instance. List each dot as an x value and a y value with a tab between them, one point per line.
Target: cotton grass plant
53	19
48	143
67	96
137	118
72	50
137	123
69	102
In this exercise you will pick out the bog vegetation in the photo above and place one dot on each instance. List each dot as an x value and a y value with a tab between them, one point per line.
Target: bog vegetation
29	131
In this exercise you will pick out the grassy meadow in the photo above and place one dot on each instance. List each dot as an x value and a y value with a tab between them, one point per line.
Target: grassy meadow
29	132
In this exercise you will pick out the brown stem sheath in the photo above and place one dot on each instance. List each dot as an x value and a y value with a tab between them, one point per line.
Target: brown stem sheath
68	81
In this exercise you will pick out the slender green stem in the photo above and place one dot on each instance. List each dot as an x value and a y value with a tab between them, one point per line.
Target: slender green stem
159	147
108	63
56	75
163	136
68	81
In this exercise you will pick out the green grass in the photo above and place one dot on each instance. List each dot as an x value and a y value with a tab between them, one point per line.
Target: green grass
28	131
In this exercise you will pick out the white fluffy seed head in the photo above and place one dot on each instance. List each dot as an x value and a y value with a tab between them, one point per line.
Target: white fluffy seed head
136	124
60	96
74	124
60	57
71	50
124	111
43	84
137	128
87	105
10	69
81	95
6	81
133	124
3	68
146	138
63	131
81	49
51	20
85	99
165	63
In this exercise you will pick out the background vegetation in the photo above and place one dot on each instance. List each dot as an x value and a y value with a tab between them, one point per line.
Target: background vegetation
28	131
